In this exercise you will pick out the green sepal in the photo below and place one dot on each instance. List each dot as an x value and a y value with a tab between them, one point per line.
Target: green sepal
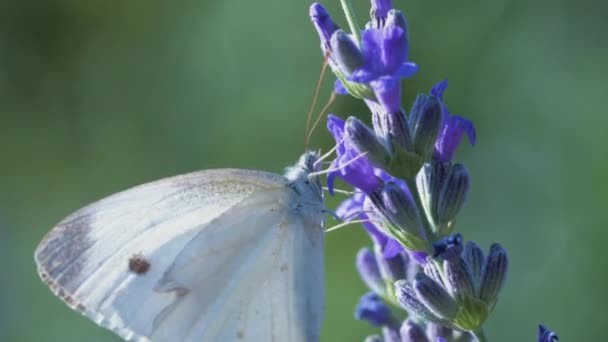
389	294
405	164
472	314
408	240
357	90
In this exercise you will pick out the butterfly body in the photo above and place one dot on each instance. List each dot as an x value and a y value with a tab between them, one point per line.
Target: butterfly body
216	255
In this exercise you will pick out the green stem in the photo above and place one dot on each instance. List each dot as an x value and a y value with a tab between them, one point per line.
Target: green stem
347	7
479	335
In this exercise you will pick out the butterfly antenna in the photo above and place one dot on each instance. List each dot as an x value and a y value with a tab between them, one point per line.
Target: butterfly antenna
316	96
322	172
331	100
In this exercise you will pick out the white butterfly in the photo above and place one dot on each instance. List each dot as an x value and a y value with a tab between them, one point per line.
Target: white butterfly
216	255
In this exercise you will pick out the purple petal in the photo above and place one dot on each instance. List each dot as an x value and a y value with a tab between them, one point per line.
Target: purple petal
439	88
371	47
363	75
359	173
380	8
323	23
420	257
335	125
372	309
392	248
339	88
351	206
388	93
405	70
546	335
377	236
332	176
394	48
450	136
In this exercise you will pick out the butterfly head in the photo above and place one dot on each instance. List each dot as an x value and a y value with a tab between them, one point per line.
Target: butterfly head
300	173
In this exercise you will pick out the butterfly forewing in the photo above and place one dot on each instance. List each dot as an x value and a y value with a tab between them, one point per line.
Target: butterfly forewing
167	260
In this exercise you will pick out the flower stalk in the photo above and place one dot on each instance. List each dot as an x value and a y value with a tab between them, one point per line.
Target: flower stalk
347	7
407	189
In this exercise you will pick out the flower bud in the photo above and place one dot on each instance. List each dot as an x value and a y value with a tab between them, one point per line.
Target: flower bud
345	52
323	23
432	270
369	271
430	181
494	274
448	288
449	247
372	309
407	298
366	141
460	282
391	269
398	130
396	18
435	298
412	332
453	195
425	122
399	216
379	11
400	209
473	255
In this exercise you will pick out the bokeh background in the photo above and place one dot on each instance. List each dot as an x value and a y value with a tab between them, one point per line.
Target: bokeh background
98	96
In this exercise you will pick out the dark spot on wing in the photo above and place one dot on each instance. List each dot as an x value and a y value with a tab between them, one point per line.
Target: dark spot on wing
283	267
138	264
61	255
240	335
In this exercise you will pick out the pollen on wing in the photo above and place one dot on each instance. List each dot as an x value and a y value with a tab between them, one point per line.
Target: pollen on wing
138	264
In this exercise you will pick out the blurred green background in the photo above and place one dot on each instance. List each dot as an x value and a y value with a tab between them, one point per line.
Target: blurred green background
98	96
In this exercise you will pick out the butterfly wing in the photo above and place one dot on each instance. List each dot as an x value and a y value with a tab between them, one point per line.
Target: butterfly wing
272	289
123	261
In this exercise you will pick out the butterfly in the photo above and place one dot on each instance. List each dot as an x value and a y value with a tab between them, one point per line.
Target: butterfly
214	255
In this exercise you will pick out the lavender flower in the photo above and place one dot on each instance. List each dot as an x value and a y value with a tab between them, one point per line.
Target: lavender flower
385	52
453	128
372	309
323	23
546	335
360	173
353	207
452	291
